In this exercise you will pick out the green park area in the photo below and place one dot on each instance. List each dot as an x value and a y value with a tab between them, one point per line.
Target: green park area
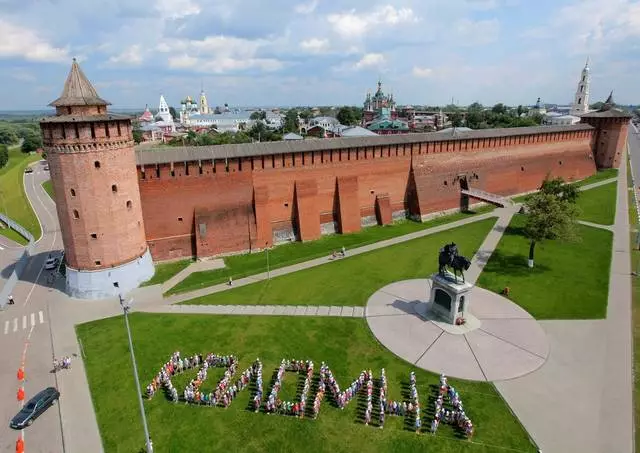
13	200
600	175
48	187
570	280
351	281
164	271
239	266
346	345
598	205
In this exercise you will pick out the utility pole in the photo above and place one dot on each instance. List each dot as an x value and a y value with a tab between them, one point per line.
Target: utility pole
126	308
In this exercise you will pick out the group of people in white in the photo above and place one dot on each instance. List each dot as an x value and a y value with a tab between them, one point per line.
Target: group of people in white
62	364
226	391
456	416
297	409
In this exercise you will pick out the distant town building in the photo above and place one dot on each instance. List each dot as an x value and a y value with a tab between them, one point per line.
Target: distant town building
380	115
204	105
538	109
292	136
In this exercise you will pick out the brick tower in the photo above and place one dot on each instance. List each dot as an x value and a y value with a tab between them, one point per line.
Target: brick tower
611	136
93	171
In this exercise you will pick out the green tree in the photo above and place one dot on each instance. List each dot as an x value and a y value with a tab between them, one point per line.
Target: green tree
258	115
137	135
551	215
346	116
597	106
8	134
291	121
521	110
4	155
32	141
558	188
499	108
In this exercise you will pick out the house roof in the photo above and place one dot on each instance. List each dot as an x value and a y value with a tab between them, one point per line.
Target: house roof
384	124
155	155
78	90
292	136
355	131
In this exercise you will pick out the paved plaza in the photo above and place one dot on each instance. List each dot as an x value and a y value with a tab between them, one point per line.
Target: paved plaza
505	343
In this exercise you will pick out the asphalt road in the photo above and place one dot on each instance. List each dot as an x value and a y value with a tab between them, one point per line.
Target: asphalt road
26	332
634	151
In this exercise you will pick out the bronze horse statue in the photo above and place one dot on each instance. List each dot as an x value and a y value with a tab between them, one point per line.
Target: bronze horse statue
449	257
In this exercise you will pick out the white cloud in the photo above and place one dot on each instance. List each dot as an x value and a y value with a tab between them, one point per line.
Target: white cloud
370	60
306	8
422	72
315	45
476	33
595	28
131	56
19	41
176	9
352	24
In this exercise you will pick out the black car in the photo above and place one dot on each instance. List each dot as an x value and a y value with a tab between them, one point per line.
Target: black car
34	408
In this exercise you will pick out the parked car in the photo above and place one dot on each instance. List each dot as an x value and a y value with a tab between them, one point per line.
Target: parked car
28	170
34	408
51	263
46	168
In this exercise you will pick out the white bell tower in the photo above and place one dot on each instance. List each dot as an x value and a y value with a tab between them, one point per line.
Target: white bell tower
581	100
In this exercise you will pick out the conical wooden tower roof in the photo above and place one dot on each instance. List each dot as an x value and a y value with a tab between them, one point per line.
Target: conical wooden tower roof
78	91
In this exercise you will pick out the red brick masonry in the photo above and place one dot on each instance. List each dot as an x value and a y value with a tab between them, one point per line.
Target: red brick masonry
212	200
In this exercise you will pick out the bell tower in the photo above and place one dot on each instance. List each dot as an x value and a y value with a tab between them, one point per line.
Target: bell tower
95	182
581	99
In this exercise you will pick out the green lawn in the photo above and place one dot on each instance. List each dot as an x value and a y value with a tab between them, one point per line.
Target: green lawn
164	271
48	187
239	266
598	205
601	175
13	201
352	280
12	234
346	345
569	280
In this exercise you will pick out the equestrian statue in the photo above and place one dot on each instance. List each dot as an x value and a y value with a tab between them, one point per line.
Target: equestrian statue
449	257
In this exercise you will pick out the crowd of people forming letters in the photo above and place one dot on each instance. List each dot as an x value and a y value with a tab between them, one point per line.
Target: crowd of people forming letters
226	391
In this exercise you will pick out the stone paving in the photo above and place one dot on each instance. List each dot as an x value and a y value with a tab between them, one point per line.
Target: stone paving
505	343
277	310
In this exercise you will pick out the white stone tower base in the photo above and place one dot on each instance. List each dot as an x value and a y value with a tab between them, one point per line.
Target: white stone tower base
101	284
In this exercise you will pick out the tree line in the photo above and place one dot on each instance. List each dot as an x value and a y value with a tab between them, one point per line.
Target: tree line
11	133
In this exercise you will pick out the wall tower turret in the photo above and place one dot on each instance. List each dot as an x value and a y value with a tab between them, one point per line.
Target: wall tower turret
93	172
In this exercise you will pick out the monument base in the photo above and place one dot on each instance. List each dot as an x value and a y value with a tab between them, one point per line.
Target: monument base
425	311
99	284
449	298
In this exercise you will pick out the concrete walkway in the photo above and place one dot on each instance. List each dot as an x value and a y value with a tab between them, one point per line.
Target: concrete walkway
596	225
325	259
198	266
581	399
276	310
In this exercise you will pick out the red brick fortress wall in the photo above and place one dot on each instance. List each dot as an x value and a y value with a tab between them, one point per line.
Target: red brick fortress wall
277	191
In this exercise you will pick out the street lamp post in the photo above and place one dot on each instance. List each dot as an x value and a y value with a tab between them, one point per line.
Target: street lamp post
268	269
125	309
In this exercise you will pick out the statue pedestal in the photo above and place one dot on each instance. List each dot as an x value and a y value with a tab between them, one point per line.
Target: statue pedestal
449	299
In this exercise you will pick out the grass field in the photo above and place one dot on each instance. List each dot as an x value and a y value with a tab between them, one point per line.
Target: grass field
287	254
48	187
569	280
164	271
598	205
601	175
350	281
13	200
12	234
346	345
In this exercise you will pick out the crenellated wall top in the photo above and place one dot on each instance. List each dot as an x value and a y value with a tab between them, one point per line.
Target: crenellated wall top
159	155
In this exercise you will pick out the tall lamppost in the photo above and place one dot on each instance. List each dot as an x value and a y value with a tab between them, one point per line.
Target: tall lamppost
266	244
125	308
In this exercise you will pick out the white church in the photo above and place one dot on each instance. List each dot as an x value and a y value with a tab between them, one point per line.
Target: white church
567	116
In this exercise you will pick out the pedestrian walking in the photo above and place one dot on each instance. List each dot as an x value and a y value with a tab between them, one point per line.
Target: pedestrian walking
11	302
344	251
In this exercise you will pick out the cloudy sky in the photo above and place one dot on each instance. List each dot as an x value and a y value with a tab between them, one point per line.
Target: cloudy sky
308	52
